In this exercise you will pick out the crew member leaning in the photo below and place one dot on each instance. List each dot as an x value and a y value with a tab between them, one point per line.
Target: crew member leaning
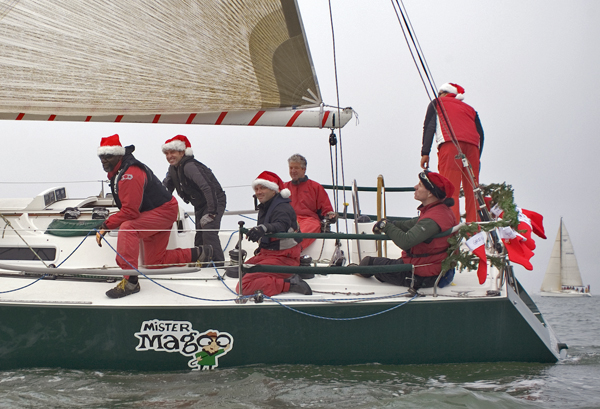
146	215
415	236
196	184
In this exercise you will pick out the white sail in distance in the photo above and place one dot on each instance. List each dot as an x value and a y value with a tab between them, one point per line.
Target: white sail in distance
563	269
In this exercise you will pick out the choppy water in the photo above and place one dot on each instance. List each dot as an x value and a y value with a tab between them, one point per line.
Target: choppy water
572	383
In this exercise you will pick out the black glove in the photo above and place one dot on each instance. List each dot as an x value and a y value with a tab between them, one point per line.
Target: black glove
255	233
379	226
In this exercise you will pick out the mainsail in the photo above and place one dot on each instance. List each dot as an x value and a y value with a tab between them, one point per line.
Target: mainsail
167	61
563	269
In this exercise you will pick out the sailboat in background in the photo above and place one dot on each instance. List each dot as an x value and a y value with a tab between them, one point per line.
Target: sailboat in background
563	278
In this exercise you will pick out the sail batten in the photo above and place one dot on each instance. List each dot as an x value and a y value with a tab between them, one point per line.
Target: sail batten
142	58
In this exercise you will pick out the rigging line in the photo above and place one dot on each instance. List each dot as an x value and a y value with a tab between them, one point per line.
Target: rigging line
337	93
424	67
424	70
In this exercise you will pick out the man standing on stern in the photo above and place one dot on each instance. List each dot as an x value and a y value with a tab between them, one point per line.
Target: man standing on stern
196	184
447	115
146	215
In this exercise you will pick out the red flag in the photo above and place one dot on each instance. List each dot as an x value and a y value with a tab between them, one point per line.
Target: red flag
477	246
525	225
537	222
518	252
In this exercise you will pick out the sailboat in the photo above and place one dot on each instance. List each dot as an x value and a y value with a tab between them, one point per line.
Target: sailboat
207	62
563	278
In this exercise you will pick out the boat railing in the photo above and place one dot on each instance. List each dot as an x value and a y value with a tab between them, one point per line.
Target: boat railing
329	270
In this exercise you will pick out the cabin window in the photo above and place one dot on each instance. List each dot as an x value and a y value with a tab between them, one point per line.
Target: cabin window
25	253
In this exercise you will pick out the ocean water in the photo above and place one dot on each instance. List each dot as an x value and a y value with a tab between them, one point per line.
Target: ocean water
572	383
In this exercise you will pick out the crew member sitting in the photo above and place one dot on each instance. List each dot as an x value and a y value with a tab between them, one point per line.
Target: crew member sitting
415	236
309	199
275	215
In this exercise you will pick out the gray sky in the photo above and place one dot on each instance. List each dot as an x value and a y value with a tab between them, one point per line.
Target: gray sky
530	68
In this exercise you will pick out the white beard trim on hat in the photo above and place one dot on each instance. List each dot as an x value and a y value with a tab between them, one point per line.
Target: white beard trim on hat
177	146
111	150
451	89
285	193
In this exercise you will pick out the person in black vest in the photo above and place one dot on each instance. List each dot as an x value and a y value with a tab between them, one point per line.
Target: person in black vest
275	215
147	211
196	184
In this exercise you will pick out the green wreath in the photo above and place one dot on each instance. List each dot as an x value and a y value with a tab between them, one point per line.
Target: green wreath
501	195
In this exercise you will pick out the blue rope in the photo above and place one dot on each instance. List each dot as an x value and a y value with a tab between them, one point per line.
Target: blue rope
17	289
160	285
76	248
343	319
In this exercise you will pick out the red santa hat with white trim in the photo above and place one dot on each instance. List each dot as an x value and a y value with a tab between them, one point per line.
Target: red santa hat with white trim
271	181
178	143
452	88
111	145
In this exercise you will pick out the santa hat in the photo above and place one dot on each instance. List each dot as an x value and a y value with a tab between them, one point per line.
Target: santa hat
438	185
452	88
111	146
271	181
178	143
477	246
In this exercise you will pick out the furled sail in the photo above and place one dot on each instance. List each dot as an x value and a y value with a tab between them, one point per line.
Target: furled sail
167	61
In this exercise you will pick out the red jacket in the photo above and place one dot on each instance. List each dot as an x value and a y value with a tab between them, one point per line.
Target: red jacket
131	193
463	119
427	257
309	199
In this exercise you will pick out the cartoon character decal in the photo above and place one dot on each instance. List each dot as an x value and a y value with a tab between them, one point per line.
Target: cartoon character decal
213	344
178	336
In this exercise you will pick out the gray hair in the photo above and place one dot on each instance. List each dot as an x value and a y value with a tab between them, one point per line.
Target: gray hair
298	159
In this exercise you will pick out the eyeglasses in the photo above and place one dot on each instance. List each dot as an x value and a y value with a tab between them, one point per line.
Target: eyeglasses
436	191
425	179
108	157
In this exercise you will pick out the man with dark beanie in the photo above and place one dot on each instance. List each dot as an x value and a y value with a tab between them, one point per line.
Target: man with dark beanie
415	236
147	211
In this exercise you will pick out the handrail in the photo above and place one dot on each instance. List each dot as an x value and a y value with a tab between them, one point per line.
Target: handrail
370	189
342	236
262	268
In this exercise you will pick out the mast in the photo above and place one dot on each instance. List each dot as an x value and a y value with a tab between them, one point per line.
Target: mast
561	251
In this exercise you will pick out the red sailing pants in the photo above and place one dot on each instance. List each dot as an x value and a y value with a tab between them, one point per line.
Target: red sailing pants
308	225
152	229
453	169
270	283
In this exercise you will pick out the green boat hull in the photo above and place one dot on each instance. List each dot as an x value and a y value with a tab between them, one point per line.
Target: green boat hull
419	332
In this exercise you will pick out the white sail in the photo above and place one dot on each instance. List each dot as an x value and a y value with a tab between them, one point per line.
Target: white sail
552	280
563	269
167	61
570	274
